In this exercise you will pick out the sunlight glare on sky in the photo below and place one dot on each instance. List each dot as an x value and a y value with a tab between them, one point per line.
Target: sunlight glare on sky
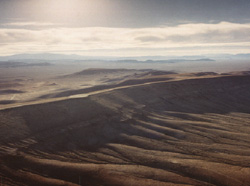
68	12
124	28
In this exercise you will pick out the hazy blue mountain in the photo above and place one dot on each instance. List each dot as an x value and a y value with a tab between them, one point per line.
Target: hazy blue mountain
42	57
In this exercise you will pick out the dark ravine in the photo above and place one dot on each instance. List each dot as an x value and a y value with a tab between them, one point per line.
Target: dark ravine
189	132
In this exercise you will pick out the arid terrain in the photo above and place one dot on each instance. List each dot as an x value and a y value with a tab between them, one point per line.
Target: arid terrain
125	127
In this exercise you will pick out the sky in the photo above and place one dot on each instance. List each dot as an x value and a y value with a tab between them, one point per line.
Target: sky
125	27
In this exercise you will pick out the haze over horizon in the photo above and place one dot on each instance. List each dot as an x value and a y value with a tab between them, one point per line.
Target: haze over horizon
124	28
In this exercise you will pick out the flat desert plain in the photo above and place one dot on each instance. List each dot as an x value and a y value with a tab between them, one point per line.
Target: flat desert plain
125	127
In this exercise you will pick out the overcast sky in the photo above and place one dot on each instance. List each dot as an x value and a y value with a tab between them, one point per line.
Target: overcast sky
125	27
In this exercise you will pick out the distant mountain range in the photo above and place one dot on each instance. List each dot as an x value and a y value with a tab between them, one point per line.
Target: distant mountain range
42	57
165	61
11	64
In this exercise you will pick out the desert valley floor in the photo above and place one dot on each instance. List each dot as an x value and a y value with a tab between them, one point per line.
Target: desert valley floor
126	127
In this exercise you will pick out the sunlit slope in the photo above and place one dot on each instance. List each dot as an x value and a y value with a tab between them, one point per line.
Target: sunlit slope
189	132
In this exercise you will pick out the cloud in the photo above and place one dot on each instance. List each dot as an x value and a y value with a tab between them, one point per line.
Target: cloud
223	35
199	33
150	39
23	24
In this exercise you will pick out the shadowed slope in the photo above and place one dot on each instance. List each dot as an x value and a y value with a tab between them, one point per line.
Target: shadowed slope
190	132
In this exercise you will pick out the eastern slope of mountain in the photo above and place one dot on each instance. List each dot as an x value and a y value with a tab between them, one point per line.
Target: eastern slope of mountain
185	132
